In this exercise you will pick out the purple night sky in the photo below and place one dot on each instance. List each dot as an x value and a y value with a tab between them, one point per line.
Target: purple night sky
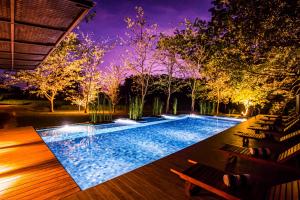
109	19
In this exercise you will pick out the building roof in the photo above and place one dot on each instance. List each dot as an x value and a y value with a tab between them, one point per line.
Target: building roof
29	30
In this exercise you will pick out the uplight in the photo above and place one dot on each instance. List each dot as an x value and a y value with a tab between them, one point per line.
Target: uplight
126	121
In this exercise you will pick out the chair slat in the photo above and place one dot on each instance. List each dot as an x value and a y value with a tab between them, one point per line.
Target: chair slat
283	191
277	192
289	191
295	190
271	193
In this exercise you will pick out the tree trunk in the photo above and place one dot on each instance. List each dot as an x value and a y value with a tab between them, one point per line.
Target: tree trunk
51	105
113	108
142	104
193	96
218	102
168	101
87	97
86	104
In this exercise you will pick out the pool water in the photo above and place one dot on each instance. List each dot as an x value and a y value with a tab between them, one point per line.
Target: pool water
93	154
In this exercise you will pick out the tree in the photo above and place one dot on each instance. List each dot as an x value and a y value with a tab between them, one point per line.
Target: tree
142	39
194	47
112	79
218	84
258	39
250	92
169	60
89	85
57	73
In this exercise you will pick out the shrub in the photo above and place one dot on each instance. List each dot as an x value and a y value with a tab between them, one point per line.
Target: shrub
135	111
175	106
101	110
157	107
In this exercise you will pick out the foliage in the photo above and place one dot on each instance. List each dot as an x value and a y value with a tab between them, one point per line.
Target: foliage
57	73
175	106
88	86
101	111
112	79
218	82
135	111
255	39
193	45
206	107
168	58
157	107
142	39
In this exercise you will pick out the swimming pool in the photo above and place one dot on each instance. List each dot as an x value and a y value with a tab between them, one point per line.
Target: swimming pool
93	154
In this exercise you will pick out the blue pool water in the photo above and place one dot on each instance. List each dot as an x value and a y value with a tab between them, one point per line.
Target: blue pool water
93	154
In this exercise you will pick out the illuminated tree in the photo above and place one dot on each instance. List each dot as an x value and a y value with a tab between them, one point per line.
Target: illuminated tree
168	82
92	54
193	46
57	73
142	39
249	92
218	84
112	79
258	39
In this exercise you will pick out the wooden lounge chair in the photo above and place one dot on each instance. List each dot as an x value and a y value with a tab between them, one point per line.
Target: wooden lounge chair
289	136
274	158
290	190
211	179
274	117
261	136
279	130
251	135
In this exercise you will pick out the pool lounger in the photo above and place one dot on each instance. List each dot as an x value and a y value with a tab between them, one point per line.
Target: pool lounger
261	136
284	129
211	179
275	158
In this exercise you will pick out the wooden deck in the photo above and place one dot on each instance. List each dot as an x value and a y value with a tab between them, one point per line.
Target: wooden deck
29	170
155	181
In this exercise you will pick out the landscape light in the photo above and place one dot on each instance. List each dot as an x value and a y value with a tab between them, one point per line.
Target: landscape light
126	121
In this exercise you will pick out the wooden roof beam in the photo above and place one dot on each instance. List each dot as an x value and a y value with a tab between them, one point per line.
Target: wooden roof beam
26	53
12	31
19	67
84	3
34	25
28	42
21	59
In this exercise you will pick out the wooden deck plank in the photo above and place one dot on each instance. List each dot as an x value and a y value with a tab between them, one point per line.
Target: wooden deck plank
28	168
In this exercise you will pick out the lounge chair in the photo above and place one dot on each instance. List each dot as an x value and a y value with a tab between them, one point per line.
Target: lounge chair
261	136
274	117
284	128
280	121
274	158
211	179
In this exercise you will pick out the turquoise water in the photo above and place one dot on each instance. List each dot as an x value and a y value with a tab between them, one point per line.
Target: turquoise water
93	154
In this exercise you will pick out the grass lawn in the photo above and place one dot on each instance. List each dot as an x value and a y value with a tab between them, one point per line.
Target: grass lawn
34	114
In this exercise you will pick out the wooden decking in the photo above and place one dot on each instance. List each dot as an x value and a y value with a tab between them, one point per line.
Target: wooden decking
155	181
29	170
